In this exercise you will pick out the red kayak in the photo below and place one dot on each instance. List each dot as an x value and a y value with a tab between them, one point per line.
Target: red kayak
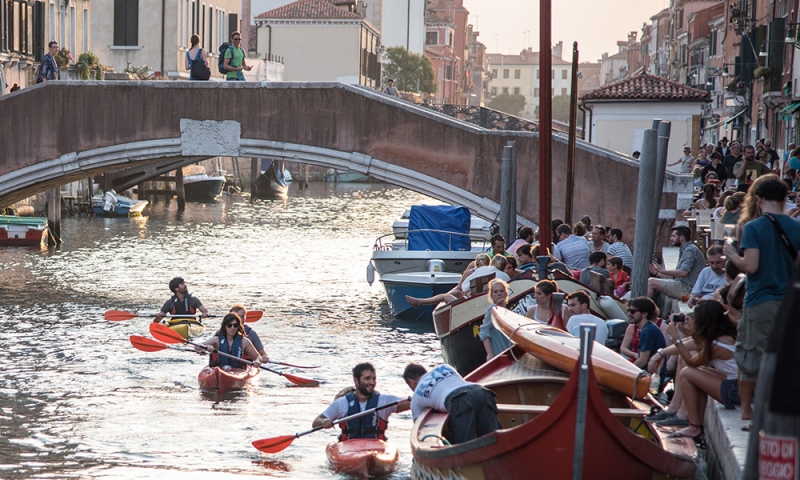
362	457
219	380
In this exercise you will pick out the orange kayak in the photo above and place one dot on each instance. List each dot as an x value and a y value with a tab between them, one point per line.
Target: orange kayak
560	350
219	380
362	457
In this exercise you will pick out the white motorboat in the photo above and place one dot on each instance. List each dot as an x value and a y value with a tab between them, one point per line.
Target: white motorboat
199	186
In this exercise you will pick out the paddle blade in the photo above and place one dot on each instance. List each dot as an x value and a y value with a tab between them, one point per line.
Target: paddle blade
165	334
274	444
118	315
253	316
147	344
303	382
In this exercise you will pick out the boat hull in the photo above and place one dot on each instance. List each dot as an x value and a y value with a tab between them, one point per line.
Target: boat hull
220	381
205	189
125	207
186	327
418	285
270	184
538	410
350	177
18	231
404	261
362	457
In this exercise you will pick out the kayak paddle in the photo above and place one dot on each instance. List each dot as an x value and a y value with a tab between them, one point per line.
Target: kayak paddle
278	444
168	335
149	345
120	315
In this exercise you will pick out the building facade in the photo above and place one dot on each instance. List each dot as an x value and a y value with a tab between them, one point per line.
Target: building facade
446	46
519	75
322	42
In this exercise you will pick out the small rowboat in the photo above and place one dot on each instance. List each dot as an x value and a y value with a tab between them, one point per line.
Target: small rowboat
187	327
362	457
561	350
537	408
219	380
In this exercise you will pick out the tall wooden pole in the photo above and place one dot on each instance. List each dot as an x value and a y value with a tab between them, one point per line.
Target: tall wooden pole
54	216
179	189
573	127
545	127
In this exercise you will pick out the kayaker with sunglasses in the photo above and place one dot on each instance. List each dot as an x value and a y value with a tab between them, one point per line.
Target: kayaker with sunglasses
231	339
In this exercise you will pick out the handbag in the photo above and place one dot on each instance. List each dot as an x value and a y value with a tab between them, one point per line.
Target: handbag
198	67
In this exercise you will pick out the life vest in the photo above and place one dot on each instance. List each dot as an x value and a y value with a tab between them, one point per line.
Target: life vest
182	307
368	426
235	350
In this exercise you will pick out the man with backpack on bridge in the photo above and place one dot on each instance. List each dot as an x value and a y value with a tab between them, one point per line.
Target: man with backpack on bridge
233	59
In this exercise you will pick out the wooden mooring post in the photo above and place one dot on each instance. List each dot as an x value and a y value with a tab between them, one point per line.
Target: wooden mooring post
254	172
54	217
180	189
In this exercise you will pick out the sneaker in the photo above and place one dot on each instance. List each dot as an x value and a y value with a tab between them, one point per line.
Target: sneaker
673	421
662	415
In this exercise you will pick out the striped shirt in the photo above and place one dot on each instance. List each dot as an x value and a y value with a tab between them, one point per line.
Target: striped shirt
619	249
574	252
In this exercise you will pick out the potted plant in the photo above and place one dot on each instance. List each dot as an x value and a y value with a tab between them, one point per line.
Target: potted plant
63	58
86	62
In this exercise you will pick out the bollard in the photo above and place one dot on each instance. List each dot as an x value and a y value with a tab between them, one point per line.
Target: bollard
644	234
505	194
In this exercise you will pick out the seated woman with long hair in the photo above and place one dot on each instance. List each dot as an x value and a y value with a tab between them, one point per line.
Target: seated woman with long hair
708	199
494	341
231	339
714	334
544	309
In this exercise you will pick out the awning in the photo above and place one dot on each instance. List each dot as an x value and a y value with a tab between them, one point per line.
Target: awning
786	112
726	121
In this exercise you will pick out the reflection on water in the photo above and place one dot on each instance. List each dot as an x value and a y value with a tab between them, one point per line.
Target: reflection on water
77	400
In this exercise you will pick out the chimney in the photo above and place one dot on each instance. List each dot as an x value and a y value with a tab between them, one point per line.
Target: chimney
558	49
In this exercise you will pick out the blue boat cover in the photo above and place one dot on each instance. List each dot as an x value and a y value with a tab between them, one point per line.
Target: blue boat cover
439	217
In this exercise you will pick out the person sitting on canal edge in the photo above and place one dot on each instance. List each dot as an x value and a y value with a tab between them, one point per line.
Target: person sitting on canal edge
679	282
363	397
239	309
182	302
472	408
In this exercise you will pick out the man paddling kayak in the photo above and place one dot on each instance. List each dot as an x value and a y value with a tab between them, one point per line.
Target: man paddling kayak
239	309
182	302
230	339
363	398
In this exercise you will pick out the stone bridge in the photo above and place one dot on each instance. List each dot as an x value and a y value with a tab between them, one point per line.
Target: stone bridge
58	132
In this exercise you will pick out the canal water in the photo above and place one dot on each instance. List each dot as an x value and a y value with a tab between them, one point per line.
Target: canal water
78	401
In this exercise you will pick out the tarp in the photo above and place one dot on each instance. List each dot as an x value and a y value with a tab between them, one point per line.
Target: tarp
786	112
440	217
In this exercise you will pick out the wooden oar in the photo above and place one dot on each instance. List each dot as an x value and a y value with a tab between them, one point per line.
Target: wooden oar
168	335
278	444
120	315
149	345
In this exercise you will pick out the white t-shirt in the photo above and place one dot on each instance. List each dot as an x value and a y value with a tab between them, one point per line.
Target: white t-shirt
481	271
600	334
338	409
708	282
433	389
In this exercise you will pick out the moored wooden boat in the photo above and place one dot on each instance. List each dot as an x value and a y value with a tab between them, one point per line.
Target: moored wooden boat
187	327
220	380
537	410
561	350
362	457
16	230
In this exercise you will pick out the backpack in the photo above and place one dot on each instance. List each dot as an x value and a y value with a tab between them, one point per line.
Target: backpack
221	61
198	67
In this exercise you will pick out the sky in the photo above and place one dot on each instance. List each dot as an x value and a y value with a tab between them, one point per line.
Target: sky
508	26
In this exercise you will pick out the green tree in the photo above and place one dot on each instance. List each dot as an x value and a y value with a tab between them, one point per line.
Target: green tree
561	110
510	104
411	72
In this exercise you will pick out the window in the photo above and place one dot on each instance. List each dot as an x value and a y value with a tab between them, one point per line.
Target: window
516	90
712	50
73	42
52	21
449	72
505	73
564	91
537	77
126	22
181	24
552	74
494	73
450	42
536	92
432	38
563	74
505	90
517	73
85	30
62	27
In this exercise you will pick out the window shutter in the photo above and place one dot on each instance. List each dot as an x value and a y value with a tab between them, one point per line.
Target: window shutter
233	24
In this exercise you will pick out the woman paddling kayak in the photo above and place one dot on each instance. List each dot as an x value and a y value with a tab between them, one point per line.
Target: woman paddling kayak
231	339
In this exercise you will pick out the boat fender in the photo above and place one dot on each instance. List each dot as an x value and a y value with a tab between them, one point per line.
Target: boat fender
370	273
612	309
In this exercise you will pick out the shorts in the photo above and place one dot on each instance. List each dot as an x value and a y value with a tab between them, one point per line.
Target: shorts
755	325
675	289
729	391
472	412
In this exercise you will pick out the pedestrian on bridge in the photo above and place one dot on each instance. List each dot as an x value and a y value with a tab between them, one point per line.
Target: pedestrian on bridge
235	60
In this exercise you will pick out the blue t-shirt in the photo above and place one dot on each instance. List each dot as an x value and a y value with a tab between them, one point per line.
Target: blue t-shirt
774	271
651	339
497	338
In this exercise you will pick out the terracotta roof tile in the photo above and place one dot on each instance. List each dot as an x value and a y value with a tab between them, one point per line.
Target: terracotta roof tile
647	87
310	9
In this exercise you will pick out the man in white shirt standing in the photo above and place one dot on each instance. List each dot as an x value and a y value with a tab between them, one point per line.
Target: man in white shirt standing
472	409
578	305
